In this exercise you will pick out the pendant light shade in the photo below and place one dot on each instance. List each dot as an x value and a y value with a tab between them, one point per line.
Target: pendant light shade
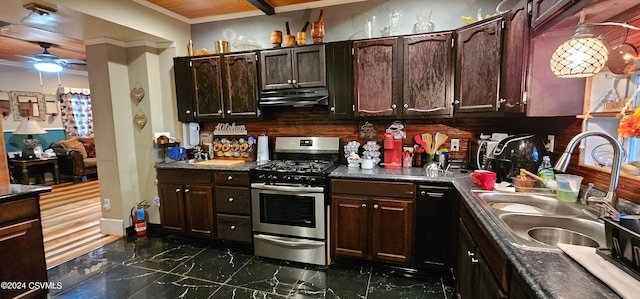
582	56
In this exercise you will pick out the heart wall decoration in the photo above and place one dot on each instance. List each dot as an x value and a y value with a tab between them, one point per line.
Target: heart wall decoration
140	119
137	93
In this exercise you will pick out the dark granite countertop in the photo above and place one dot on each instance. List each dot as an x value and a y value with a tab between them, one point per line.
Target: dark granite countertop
550	274
185	165
12	192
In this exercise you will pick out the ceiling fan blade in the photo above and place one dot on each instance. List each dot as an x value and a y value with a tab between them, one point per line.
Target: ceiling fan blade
45	56
72	61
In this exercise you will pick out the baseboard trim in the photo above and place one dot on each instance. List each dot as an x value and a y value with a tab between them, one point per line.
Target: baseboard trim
110	226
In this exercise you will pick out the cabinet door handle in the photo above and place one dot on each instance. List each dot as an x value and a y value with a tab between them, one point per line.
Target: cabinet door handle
178	190
288	81
472	255
406	106
376	206
229	111
188	111
423	193
233	227
393	106
219	111
333	109
364	205
229	178
186	190
294	82
456	102
230	199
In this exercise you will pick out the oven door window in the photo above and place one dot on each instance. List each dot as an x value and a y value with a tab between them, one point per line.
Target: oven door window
290	210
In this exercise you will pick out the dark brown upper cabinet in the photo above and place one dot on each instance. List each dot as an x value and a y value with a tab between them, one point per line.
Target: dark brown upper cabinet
241	86
217	87
479	63
377	85
428	74
298	67
207	78
515	59
545	10
198	87
340	79
405	77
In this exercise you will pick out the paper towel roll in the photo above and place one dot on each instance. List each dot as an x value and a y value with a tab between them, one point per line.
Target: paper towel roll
263	148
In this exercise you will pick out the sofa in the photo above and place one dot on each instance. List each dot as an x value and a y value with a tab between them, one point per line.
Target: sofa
76	157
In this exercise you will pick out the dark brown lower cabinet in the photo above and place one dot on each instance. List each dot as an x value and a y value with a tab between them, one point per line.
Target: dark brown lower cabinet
21	249
483	270
369	226
186	202
233	206
475	279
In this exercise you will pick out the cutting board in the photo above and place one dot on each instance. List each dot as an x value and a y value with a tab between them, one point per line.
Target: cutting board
215	162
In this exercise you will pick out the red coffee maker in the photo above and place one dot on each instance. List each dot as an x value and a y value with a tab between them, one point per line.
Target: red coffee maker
392	151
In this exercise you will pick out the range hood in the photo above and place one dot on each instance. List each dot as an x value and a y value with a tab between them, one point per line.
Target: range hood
299	97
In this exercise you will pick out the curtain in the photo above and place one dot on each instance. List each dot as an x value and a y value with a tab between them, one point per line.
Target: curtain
77	117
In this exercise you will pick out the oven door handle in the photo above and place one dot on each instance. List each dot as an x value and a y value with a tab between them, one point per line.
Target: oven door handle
264	186
290	242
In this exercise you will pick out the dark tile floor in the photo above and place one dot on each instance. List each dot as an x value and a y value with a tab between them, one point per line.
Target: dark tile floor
157	267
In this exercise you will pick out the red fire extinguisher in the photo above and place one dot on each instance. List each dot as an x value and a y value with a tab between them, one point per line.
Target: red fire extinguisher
140	218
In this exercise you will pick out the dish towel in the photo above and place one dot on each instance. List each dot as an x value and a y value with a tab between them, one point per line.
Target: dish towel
621	282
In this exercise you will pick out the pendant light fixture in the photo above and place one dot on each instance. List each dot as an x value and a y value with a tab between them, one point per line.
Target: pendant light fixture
584	55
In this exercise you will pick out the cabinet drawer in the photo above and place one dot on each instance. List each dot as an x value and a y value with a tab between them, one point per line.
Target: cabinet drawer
231	178
373	188
19	210
233	200
234	228
184	176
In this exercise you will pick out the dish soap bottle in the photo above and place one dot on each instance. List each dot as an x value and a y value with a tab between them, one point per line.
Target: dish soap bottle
545	171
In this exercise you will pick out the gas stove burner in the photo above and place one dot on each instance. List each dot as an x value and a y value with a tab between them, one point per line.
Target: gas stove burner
298	166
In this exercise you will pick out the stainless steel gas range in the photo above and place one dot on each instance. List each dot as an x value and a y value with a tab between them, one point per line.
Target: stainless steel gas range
289	199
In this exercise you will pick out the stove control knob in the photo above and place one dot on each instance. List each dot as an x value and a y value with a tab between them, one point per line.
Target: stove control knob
230	199
233	227
272	177
311	180
297	178
262	176
229	178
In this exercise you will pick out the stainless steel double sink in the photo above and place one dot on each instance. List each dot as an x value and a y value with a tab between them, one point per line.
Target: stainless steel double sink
539	222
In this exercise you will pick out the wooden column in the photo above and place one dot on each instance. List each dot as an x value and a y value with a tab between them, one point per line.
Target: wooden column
4	168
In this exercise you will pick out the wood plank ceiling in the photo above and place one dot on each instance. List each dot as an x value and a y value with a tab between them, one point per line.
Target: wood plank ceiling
19	41
193	9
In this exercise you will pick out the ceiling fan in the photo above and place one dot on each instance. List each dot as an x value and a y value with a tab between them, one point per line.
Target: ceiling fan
47	62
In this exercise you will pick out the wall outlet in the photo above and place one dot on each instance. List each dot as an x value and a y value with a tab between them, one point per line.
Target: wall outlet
107	204
455	145
551	143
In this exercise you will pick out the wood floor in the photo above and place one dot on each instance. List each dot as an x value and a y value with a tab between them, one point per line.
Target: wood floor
71	221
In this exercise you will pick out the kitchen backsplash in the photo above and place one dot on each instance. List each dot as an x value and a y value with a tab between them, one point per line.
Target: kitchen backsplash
314	121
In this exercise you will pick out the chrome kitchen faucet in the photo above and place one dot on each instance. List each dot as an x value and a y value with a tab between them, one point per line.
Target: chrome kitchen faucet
563	162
